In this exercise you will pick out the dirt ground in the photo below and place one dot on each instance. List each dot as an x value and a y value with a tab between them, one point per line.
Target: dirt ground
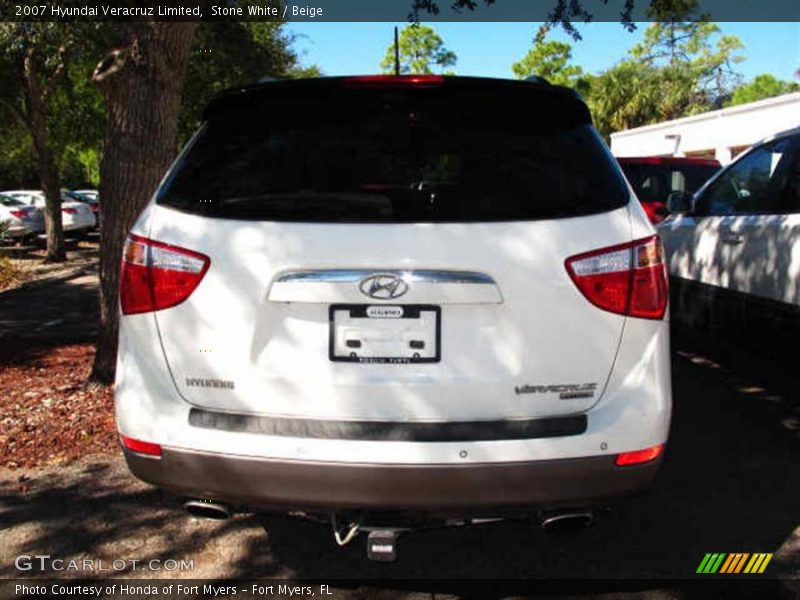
730	482
28	266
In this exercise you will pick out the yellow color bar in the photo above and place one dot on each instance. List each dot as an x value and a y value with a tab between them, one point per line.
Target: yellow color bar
753	564
758	563
767	558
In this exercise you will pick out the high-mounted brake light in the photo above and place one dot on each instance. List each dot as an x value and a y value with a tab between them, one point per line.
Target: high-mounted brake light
669	160
639	456
628	279
140	447
157	275
393	80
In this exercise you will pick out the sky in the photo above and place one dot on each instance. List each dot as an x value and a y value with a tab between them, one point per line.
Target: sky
489	49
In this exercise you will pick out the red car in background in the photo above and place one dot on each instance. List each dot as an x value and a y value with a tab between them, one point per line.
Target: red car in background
654	178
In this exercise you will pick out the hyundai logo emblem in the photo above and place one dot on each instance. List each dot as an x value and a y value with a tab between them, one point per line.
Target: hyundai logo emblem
383	286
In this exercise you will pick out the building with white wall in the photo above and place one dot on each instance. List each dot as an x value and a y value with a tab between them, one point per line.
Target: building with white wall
720	134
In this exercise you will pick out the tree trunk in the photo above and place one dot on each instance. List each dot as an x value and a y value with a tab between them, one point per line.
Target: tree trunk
51	186
142	84
46	164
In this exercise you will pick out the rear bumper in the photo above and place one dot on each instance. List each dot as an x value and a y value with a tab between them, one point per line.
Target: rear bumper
17	231
21	229
80	223
257	483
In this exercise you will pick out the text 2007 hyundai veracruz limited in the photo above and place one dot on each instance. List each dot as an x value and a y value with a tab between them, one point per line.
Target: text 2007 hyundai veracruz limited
387	295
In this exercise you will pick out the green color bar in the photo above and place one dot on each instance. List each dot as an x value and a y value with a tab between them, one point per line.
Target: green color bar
701	568
714	562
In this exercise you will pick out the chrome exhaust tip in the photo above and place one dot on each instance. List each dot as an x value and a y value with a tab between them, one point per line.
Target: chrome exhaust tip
207	509
567	521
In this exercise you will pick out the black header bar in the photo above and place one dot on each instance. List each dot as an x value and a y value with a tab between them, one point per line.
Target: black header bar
384	10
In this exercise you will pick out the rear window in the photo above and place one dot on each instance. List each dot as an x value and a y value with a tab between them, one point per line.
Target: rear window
654	182
398	155
9	201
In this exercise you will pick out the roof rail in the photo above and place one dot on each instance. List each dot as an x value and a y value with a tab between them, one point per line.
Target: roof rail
268	78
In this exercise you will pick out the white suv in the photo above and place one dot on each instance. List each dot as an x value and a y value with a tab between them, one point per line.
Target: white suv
382	293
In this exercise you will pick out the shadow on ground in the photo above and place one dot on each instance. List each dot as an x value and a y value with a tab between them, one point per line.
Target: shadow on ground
44	315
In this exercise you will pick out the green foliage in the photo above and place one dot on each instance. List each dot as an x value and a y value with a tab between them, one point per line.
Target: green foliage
225	55
551	60
624	96
17	162
421	51
688	50
763	86
63	58
680	68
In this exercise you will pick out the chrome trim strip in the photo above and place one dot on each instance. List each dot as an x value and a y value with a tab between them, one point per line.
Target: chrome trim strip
408	275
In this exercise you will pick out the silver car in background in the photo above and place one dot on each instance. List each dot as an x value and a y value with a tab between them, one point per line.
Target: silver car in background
21	219
76	217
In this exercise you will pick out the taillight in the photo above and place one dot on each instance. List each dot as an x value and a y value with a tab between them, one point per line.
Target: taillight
629	279
157	275
20	214
69	211
140	447
639	456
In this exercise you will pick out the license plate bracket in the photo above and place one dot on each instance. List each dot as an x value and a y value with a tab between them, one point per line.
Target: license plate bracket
388	334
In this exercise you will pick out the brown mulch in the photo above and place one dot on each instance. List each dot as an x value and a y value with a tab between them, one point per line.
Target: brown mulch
48	413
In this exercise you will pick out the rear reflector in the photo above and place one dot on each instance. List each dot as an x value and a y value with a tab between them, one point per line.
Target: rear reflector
628	279
639	456
156	276
393	80
140	447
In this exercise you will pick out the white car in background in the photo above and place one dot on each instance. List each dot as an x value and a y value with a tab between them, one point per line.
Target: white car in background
76	217
89	197
22	220
391	302
733	249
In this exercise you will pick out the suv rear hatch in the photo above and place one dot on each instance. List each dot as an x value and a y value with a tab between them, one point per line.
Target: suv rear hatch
385	248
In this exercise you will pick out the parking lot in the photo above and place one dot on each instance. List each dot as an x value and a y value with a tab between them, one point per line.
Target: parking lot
729	483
